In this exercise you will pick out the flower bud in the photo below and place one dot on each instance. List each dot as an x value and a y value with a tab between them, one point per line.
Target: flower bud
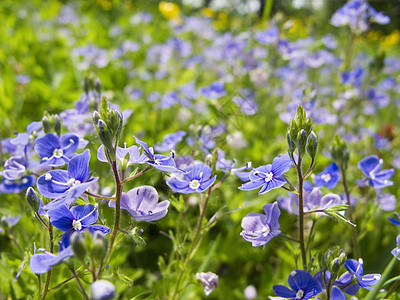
105	109
57	125
340	153
46	125
291	144
115	122
106	137
78	245
32	198
312	144
102	290
97	86
301	141
99	249
335	265
95	117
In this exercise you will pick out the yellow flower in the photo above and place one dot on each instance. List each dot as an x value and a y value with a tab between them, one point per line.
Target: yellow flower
169	10
208	12
392	39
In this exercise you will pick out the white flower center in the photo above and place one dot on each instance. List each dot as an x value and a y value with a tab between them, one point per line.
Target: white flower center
299	294
326	177
48	177
77	224
269	177
24	181
194	184
265	230
73	182
372	175
58	153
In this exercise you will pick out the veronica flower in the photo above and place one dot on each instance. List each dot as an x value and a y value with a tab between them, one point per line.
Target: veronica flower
197	179
16	186
56	151
102	290
133	153
371	167
328	177
209	281
259	229
303	286
158	161
169	141
7	222
355	269
396	251
66	186
42	262
357	14
215	91
268	177
78	218
142	204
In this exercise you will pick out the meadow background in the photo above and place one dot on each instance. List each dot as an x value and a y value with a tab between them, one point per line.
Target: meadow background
154	60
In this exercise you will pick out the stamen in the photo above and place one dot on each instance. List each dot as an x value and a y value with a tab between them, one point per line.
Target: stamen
77	224
194	184
48	177
269	177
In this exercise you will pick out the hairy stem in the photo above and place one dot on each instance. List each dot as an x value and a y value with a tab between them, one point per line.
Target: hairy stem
193	243
353	230
301	215
48	276
79	283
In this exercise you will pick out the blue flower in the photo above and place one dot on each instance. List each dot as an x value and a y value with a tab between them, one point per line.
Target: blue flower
371	167
269	36
134	156
66	186
209	280
357	14
42	262
169	141
142	204
197	179
16	186
396	251
394	221
328	177
7	222
78	218
259	229
215	91
56	151
158	161
268	177
303	286
355	269
102	290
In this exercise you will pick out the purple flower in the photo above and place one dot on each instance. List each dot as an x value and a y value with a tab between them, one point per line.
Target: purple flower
158	161
133	153
328	177
215	91
209	281
15	167
357	14
42	262
197	179
56	151
268	177
355	269
76	219
16	186
169	141
269	36
66	186
371	167
245	101
396	251
259	229
7	222
395	221
303	286
142	204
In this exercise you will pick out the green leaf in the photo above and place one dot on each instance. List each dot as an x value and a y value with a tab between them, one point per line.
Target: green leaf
143	295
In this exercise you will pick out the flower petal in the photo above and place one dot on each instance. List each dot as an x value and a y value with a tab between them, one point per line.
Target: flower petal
78	167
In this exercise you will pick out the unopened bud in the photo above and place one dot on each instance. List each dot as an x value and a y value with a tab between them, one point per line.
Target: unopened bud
78	245
291	144
46	125
301	141
97	86
106	136
102	290
57	125
312	144
100	244
32	198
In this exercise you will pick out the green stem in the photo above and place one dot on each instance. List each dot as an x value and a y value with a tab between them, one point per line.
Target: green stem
193	244
301	215
134	176
353	230
48	276
372	294
79	283
267	10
